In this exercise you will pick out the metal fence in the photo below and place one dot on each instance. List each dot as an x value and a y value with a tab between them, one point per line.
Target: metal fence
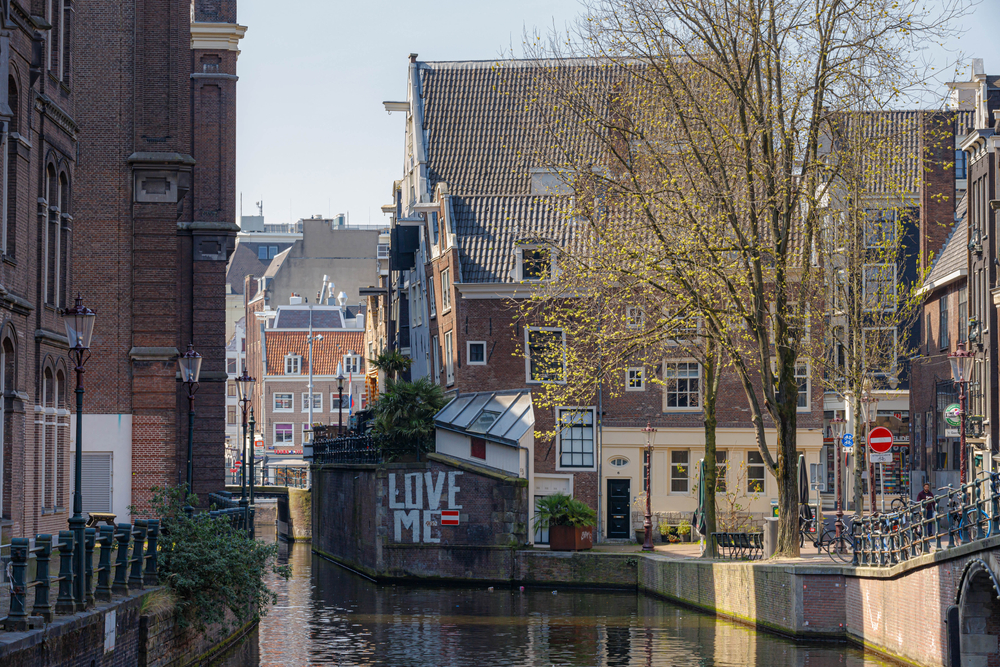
296	477
360	448
950	519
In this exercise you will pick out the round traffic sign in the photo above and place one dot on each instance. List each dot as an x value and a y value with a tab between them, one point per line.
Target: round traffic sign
880	439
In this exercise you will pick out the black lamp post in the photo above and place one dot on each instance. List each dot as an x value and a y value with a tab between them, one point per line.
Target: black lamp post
961	370
838	424
244	384
190	367
79	322
253	476
340	391
647	521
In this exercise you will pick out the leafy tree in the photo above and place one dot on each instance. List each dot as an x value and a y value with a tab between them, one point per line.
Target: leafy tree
404	413
392	362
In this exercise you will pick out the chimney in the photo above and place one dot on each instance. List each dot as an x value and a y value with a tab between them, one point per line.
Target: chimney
413	57
295	300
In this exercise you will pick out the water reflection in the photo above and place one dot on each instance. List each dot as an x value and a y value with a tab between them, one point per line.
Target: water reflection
326	615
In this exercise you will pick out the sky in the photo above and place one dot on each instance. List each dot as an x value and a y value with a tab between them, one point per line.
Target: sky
312	136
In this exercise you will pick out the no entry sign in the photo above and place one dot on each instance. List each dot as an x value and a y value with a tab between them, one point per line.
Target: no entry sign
880	439
449	517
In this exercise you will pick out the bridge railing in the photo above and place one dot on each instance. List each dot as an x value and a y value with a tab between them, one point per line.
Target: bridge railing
950	519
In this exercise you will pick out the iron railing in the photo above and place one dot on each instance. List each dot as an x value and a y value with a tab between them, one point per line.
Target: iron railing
359	448
296	477
958	516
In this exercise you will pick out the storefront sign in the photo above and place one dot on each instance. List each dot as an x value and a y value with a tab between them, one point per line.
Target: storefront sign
952	433
951	416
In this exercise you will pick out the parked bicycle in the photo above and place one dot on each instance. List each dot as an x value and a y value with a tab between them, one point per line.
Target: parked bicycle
967	521
838	548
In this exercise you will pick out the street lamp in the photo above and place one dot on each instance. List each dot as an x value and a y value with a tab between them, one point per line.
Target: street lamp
253	477
79	322
244	385
310	339
870	401
838	425
190	367
961	370
647	522
340	403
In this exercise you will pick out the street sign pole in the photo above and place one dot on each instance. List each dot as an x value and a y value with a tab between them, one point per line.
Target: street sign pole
881	481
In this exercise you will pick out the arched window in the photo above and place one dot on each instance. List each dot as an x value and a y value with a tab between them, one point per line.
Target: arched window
8	176
50	237
46	454
60	437
7	384
62	229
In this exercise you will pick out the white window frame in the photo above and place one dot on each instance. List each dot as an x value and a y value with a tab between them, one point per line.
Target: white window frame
293	364
275	433
763	468
701	388
635	372
690	340
468	352
635	317
877	238
520	262
895	346
593	436
449	357
430	299
801	366
673	470
527	355
352	364
274	401
618	457
436	344
722	474
445	290
892	296
305	403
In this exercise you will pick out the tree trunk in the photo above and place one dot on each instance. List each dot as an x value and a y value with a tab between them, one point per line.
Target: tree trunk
787	473
712	373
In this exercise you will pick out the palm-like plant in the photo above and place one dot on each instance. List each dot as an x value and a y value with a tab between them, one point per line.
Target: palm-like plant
392	363
562	510
404	413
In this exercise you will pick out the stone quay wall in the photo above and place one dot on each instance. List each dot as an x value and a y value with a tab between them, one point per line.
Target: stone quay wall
392	521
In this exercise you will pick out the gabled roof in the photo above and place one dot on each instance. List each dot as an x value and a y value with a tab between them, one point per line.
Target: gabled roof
499	416
327	353
242	263
954	256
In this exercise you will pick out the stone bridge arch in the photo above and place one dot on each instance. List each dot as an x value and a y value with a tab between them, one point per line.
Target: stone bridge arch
978	601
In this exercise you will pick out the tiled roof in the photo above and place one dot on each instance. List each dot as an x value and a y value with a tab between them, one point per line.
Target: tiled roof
327	353
955	254
243	263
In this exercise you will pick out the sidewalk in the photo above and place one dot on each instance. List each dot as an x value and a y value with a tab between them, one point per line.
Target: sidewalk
692	550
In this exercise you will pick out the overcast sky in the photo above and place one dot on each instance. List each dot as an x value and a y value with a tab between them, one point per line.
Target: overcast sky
312	136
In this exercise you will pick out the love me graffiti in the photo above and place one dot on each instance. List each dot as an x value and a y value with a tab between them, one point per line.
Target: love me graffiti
416	488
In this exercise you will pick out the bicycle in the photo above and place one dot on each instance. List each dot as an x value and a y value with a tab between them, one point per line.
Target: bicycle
841	548
965	524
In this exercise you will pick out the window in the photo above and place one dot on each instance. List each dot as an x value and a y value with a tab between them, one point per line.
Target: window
449	359
943	341
929	334
51	251
961	165
880	347
306	428
755	472
576	438
436	348
230	388
683	330
476	353
282	402
803	381
645	469
681	385
416	307
10	171
536	263
679	475
231	367
636	379
352	364
618	461
963	314
283	434
880	228
231	415
262	252
272	251
335	401
445	290
293	364
721	466
634	317
317	402
546	355
430	298
880	286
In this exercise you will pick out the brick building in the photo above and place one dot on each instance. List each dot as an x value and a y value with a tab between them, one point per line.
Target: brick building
156	98
465	214
278	358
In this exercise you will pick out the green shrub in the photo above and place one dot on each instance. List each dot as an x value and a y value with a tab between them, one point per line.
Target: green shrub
562	510
210	566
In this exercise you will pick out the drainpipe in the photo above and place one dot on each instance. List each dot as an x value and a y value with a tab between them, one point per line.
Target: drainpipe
531	495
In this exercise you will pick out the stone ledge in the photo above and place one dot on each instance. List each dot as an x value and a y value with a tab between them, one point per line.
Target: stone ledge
153	353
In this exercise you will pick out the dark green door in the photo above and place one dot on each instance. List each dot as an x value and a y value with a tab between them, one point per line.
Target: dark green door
619	518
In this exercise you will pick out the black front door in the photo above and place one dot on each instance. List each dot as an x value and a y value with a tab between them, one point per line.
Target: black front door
619	520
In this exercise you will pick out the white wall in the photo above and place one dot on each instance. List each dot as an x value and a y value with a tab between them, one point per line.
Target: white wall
108	433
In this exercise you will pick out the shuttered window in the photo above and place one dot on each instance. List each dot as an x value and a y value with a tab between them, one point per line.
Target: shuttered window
96	488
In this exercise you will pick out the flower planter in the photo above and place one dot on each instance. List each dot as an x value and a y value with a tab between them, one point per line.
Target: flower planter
571	538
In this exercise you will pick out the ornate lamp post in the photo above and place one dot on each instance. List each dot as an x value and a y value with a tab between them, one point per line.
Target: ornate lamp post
961	370
647	522
870	401
190	367
838	424
253	476
244	384
340	402
79	322
311	339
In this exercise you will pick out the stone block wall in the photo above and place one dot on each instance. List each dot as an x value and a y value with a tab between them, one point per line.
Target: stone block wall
600	570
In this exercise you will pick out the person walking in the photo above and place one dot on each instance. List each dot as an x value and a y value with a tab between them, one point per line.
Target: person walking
927	495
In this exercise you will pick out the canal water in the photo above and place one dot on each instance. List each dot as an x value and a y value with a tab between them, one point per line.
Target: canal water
326	615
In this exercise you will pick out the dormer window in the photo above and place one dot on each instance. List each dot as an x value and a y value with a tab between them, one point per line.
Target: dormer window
352	363
293	364
535	263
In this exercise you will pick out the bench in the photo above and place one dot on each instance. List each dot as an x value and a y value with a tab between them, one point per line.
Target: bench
739	546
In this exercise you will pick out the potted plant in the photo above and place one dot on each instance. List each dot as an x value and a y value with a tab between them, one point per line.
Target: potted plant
569	521
684	530
665	529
